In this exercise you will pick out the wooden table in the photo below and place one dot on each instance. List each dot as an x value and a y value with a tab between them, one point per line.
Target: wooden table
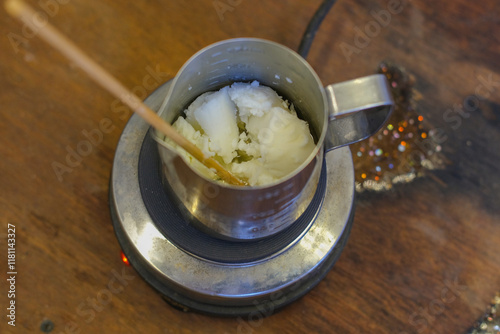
422	257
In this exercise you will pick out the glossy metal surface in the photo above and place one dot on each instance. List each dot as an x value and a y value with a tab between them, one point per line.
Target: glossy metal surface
248	213
219	283
358	108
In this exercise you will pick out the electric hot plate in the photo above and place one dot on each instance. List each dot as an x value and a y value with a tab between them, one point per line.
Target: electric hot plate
195	271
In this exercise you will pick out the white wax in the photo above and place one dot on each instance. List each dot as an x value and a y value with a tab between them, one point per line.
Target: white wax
270	143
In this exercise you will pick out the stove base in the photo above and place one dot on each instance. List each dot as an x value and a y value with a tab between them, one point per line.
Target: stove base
264	307
197	281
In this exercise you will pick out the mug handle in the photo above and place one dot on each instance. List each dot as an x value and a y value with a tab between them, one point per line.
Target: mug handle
358	109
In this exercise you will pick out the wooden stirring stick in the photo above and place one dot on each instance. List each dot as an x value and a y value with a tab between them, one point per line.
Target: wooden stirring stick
51	35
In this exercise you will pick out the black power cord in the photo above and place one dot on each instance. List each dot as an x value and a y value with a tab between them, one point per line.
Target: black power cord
312	27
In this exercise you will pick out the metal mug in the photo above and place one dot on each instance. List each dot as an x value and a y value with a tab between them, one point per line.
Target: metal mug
338	115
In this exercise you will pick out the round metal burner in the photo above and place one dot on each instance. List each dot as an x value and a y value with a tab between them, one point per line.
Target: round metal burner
165	213
261	279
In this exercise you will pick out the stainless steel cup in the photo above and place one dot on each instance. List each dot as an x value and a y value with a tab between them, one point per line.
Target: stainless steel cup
338	115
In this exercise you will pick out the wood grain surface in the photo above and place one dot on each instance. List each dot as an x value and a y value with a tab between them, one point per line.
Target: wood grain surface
422	258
